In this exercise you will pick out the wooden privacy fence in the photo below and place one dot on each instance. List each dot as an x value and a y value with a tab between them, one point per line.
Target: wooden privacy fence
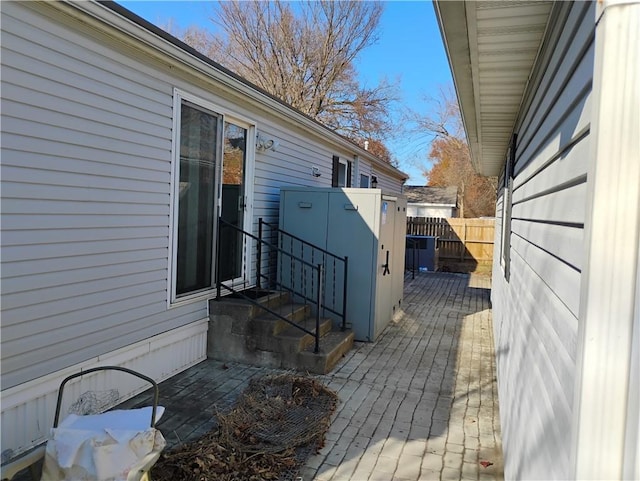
460	240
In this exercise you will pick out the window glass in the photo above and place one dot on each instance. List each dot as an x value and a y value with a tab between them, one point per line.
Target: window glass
364	181
196	199
341	174
233	200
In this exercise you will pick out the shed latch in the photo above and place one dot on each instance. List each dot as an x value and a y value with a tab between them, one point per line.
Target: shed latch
385	267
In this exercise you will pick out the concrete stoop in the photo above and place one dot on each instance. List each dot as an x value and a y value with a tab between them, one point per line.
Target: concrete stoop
243	332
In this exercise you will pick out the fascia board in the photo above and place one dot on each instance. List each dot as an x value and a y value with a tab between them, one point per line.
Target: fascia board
452	20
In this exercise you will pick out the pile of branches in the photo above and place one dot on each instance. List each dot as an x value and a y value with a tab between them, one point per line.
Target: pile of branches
261	438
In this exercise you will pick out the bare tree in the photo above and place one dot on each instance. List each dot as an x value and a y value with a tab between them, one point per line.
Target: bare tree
304	54
452	159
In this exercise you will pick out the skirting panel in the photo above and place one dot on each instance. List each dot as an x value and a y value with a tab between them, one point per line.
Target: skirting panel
28	409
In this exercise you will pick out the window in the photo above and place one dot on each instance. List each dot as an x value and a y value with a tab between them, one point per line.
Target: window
505	257
212	177
199	144
341	172
364	181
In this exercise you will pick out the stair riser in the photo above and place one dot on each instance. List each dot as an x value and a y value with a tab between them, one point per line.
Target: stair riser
298	344
243	309
325	361
242	332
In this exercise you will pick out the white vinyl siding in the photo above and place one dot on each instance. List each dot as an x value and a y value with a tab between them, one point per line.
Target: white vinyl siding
86	180
536	309
85	197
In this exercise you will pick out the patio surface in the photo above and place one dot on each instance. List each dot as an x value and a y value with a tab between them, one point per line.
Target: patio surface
420	403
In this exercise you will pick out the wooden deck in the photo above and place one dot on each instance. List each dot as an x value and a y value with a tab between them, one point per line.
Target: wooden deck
192	398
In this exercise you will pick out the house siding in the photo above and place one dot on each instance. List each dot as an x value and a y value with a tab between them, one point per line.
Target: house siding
87	120
86	142
536	309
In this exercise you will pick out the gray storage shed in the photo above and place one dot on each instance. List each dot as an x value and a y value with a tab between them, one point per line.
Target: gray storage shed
369	227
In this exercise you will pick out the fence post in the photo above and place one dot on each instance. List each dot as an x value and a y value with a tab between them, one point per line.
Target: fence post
464	240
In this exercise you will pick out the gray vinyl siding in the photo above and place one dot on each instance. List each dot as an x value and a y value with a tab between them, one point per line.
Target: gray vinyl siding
86	180
86	142
536	310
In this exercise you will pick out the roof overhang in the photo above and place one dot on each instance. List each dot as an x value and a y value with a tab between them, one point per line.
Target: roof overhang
492	47
129	27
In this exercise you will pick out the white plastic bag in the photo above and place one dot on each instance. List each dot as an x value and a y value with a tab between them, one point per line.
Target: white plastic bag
113	446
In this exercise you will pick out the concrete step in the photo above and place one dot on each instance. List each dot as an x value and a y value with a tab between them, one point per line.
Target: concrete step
293	340
265	322
242	332
240	308
333	346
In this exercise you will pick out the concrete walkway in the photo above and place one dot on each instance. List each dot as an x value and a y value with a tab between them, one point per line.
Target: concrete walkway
419	404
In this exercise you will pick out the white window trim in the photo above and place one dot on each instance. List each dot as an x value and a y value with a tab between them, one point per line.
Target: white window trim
505	247
344	162
227	116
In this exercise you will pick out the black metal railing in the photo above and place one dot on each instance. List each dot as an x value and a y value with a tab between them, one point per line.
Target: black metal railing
274	262
412	251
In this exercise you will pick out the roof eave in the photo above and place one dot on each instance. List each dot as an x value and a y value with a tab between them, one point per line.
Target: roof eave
451	16
149	35
491	55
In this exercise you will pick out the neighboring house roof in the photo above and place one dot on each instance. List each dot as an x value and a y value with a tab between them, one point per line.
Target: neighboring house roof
491	57
417	194
188	55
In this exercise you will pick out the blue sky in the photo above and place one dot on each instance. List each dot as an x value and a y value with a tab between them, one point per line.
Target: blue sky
410	48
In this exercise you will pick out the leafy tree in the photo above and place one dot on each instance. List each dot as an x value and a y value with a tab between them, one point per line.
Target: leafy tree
304	53
451	159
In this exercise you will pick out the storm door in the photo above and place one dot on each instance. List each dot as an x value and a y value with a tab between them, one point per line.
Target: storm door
235	249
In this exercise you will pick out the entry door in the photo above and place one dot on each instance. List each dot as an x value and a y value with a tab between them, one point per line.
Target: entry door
235	249
386	266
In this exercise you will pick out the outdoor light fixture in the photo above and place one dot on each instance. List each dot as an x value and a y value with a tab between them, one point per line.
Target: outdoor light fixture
374	182
262	143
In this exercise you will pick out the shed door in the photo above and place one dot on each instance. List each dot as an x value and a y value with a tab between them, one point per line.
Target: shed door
386	268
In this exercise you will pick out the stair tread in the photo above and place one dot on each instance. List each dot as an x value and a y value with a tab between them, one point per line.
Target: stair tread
283	310
328	343
308	323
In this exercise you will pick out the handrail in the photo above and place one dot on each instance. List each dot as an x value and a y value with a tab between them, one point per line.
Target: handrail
318	270
299	275
413	243
270	311
344	260
278	229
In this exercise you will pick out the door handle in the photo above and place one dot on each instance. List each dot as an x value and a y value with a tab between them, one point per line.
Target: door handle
385	266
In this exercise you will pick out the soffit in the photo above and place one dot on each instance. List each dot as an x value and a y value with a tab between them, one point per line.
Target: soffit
492	47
